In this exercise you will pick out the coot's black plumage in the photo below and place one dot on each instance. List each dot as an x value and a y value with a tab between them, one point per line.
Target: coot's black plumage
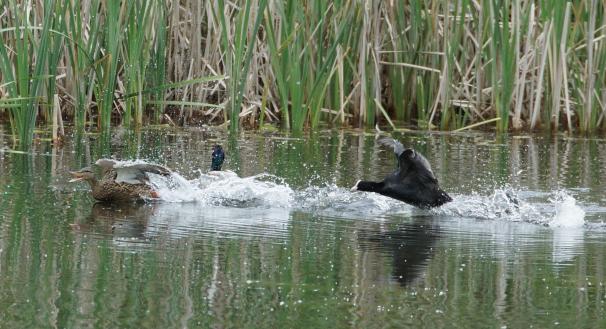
412	182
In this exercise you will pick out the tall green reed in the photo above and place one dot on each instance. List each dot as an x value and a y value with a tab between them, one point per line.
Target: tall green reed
25	69
589	115
82	48
504	53
414	60
303	45
158	59
238	43
457	64
108	74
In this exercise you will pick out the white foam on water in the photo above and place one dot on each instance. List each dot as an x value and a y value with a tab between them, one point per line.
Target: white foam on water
261	189
332	200
567	213
568	224
508	204
224	188
175	188
502	204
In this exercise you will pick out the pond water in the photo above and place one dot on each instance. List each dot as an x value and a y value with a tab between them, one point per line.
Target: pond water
282	242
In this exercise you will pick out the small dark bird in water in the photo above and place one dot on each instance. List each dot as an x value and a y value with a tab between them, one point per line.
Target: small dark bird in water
121	183
217	159
412	182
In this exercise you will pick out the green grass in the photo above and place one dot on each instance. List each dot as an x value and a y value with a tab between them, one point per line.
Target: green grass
428	64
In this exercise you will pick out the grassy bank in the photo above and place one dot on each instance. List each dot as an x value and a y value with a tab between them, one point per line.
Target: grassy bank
441	64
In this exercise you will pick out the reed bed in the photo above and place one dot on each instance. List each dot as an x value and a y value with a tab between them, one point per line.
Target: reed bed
427	64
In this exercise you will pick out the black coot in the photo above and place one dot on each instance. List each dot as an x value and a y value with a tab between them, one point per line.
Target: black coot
412	182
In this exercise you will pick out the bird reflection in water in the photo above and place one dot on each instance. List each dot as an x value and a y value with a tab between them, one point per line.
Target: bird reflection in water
117	220
410	247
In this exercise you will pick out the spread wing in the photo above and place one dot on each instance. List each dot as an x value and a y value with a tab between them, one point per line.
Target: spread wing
106	165
137	174
415	169
151	168
398	148
421	162
413	180
131	173
412	160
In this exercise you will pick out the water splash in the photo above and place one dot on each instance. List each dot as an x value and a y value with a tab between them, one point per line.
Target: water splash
560	210
257	190
224	188
175	188
568	227
567	212
332	200
503	204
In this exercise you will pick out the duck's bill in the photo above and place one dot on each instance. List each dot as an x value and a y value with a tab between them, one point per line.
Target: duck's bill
76	176
355	187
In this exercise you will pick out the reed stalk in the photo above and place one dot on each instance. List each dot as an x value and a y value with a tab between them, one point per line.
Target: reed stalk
23	70
81	49
238	45
588	118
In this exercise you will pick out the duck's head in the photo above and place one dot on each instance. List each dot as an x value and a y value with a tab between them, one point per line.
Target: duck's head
85	174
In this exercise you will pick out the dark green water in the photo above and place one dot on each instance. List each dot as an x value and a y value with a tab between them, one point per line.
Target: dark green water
287	245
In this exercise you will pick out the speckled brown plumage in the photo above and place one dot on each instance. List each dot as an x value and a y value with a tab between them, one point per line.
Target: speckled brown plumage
108	189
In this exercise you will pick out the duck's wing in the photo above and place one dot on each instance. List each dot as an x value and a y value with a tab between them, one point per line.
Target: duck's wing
151	168
137	173
106	165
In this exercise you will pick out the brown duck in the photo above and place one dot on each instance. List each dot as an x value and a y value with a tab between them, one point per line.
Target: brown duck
121	183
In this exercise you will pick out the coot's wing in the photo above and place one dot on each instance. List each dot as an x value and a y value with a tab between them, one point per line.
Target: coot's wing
413	180
398	148
415	169
422	162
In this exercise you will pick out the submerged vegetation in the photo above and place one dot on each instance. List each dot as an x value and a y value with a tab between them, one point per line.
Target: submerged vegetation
429	64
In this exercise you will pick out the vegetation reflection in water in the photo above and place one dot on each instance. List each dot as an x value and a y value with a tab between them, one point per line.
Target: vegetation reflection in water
327	257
